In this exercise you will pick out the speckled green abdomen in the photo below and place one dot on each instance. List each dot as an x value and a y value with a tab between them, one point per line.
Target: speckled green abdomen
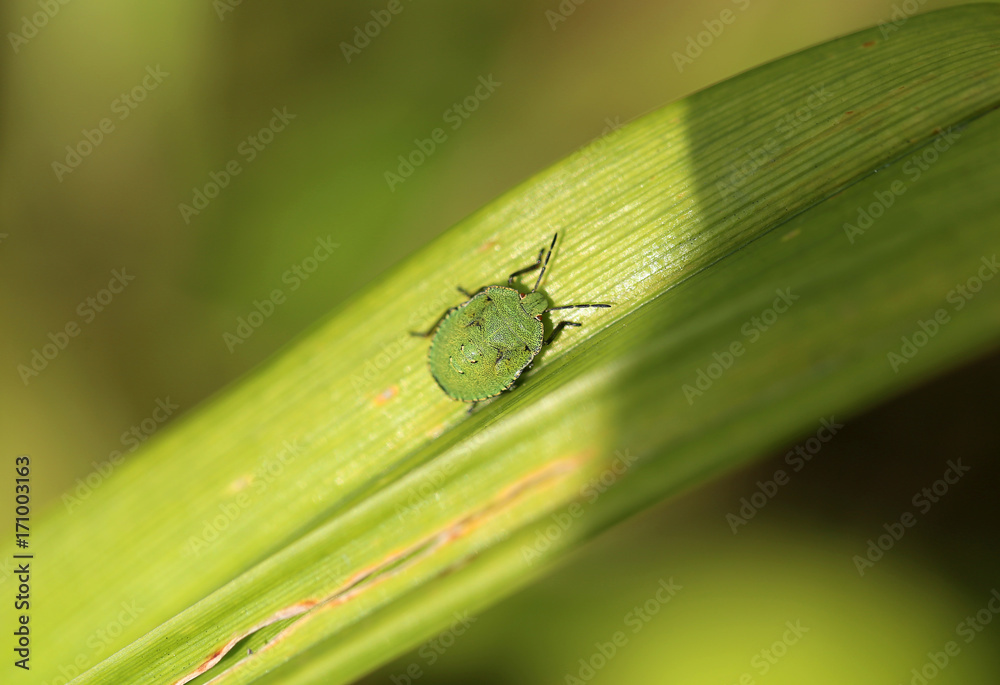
482	346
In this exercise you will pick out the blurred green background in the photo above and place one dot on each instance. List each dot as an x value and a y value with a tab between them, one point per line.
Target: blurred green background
183	91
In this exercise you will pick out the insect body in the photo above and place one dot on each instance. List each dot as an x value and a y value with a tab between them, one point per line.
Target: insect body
481	346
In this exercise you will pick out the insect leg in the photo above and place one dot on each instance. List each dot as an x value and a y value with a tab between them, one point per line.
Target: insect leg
559	326
538	263
430	331
472	406
563	324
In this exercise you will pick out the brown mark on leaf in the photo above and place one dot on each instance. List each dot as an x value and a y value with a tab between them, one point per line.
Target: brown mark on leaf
287	612
400	560
386	395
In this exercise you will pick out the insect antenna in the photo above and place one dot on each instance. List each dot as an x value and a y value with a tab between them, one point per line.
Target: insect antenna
576	306
546	264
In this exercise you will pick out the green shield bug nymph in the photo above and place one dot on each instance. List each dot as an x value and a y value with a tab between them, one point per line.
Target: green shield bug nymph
481	346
